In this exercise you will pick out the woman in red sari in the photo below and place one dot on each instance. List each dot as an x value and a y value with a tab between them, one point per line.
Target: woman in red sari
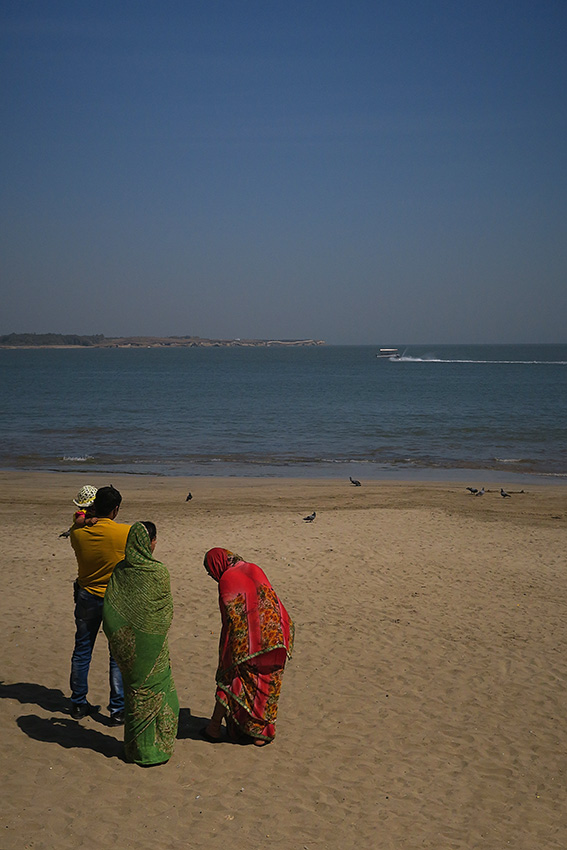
255	642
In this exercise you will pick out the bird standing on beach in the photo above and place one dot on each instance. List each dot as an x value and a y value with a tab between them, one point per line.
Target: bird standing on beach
473	490
189	497
355	482
480	492
309	518
504	494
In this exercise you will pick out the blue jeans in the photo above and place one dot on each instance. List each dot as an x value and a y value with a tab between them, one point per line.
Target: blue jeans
88	619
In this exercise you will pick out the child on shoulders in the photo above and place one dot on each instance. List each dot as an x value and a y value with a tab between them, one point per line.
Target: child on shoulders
85	515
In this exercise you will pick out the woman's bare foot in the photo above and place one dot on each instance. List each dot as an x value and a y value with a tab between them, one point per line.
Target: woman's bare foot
213	730
261	742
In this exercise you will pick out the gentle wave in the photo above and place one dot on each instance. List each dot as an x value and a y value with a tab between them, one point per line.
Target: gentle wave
381	460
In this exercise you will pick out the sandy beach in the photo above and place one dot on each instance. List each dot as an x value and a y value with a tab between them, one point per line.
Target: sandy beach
424	706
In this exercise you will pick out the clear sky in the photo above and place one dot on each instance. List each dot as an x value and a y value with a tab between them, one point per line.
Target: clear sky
365	171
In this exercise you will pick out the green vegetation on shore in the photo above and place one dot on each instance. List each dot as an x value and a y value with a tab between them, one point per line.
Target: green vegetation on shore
100	341
26	340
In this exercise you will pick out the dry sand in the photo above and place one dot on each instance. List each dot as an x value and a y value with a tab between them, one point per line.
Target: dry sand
424	706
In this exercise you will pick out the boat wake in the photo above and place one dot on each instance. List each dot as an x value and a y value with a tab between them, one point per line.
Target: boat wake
432	359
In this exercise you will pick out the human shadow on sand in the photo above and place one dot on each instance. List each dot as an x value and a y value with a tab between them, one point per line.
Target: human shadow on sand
70	734
52	699
192	726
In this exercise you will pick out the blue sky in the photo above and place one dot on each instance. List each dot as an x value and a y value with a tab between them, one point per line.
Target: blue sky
361	172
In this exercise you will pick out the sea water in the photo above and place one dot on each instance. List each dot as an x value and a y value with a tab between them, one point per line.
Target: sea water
295	411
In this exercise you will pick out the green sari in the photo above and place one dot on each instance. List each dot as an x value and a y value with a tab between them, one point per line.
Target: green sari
137	613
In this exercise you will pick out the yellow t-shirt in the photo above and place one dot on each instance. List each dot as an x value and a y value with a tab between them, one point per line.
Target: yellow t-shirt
98	549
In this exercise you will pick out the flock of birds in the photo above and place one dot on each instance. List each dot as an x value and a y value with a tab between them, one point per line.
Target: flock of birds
473	490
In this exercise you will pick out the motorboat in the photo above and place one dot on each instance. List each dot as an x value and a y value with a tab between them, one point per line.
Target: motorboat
388	354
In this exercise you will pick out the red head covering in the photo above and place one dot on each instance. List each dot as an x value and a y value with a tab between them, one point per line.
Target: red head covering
217	561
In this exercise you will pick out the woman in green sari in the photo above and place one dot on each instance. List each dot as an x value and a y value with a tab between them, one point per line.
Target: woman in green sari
137	613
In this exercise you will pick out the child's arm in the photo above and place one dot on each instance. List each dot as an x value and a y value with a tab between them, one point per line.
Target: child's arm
79	519
90	518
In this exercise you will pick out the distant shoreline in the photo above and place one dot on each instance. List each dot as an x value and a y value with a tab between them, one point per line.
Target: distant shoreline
158	342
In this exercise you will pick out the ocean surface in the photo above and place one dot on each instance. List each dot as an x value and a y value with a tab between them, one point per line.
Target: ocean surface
441	412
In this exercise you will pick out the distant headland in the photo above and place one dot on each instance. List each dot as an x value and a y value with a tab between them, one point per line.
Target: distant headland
100	341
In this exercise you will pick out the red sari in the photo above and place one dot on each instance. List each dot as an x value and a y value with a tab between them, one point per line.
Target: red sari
255	642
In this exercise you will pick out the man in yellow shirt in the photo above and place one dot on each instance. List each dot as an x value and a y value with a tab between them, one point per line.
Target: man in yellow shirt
98	549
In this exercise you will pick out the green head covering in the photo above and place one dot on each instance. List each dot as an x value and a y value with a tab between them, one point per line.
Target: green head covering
139	548
139	588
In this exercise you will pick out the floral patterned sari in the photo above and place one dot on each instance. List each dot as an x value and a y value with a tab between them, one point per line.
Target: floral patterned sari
256	640
137	613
